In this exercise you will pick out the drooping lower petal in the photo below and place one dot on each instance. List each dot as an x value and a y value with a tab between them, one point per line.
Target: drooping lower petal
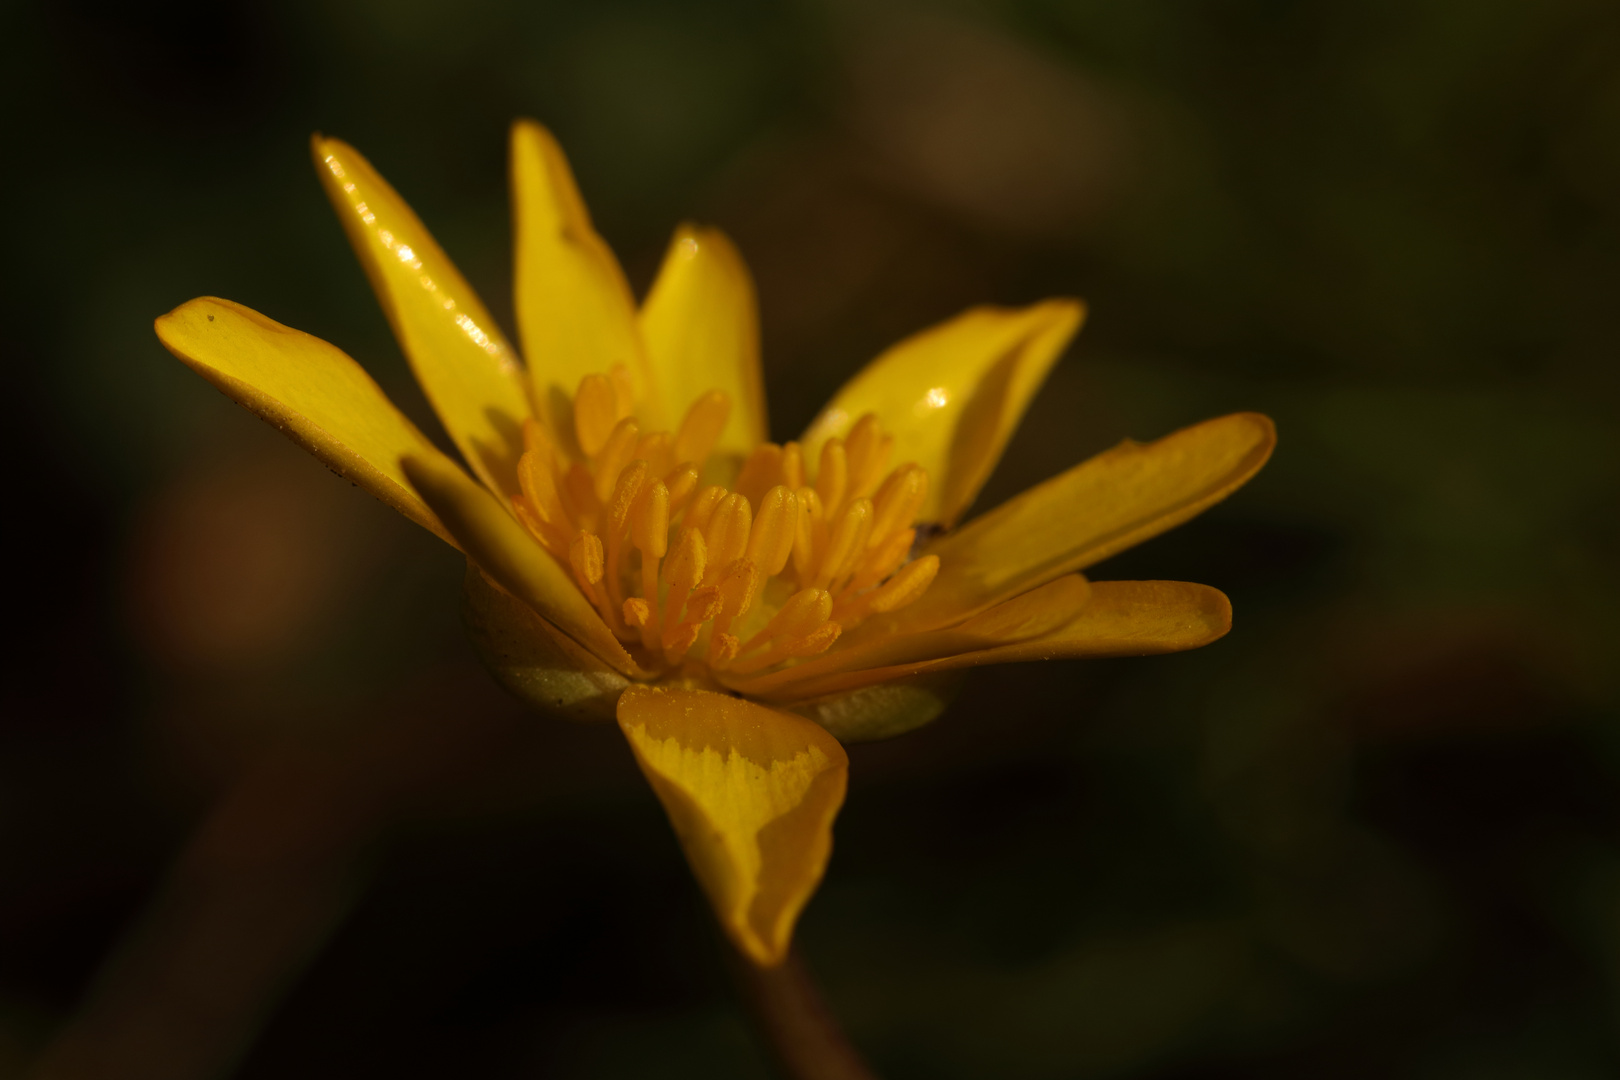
953	394
1100	507
1121	618
470	374
752	794
310	390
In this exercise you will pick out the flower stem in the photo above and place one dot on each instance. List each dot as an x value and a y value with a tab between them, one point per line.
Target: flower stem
790	1016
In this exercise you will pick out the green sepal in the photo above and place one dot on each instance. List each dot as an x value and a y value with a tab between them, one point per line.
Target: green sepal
885	710
534	660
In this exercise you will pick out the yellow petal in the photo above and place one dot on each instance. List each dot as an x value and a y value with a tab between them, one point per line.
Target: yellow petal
505	551
752	794
952	395
470	374
538	663
701	327
311	391
1030	615
1122	618
1100	507
575	314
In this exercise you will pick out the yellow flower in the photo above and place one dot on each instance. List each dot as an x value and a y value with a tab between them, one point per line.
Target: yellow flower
637	550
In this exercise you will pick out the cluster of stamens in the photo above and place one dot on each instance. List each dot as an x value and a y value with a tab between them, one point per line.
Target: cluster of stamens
824	553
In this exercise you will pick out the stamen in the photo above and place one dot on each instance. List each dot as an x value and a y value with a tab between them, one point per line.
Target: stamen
771	540
701	428
905	586
656	450
792	466
881	562
585	555
578	495
684	570
615	455
596	411
682	482
702	508
847	541
847	531
727	534
898	501
833	479
804	611
867	451
811	535
759	472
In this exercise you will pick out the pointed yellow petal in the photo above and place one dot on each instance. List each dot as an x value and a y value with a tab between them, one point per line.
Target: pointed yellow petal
311	391
1122	618
575	314
540	664
470	374
702	332
1031	615
505	551
1098	508
752	794
952	395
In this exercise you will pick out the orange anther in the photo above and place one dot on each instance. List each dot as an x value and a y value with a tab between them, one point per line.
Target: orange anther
727	533
810	536
759	472
832	479
701	427
624	391
585	556
703	506
867	452
804	611
649	525
615	455
722	650
596	411
848	540
775	527
897	502
816	642
682	483
792	466
637	612
623	497
906	585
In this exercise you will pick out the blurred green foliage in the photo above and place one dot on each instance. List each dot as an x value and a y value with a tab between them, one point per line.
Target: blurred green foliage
1373	832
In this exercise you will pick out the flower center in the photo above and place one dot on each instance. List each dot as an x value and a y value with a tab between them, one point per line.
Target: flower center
741	579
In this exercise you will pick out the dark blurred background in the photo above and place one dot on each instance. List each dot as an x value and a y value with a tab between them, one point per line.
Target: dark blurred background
261	814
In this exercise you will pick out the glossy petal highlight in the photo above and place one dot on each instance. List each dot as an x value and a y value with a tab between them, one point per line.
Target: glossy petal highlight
468	371
701	326
311	391
501	547
575	314
953	394
1102	506
752	794
1122	618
